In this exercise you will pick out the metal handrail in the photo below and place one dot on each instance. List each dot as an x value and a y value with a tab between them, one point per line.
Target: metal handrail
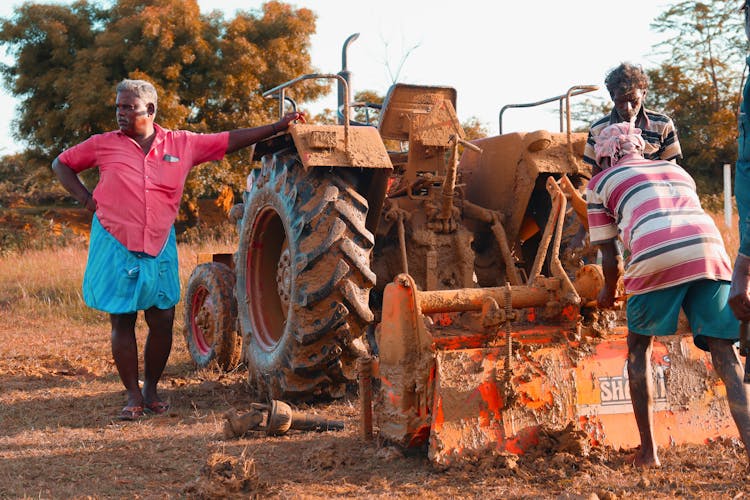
573	91
315	76
360	104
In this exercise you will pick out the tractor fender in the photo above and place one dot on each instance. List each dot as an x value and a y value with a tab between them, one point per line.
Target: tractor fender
366	161
325	146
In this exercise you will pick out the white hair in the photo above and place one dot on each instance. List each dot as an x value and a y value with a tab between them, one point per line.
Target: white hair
140	88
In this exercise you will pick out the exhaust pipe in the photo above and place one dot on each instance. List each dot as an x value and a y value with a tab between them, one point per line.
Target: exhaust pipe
346	75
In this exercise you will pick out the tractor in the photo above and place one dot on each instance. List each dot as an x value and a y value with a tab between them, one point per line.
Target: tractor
460	269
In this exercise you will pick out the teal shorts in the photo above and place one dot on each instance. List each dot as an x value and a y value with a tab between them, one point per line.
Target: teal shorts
119	281
705	305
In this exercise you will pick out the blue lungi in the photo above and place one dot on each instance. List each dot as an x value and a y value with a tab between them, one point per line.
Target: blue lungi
119	281
704	302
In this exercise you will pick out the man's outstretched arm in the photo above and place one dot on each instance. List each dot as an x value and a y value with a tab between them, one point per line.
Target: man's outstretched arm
244	137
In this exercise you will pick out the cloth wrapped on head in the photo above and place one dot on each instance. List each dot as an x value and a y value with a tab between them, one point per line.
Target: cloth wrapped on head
618	140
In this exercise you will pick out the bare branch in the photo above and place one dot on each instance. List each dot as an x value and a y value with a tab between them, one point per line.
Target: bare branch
394	74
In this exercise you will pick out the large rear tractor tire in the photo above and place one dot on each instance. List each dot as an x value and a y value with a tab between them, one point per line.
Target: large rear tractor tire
211	317
303	279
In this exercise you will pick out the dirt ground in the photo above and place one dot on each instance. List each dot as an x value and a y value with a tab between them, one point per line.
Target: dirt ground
59	438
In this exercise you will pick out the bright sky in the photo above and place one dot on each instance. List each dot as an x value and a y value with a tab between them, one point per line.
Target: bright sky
493	52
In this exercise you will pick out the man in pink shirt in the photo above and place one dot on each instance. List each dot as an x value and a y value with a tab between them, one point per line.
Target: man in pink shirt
132	263
674	259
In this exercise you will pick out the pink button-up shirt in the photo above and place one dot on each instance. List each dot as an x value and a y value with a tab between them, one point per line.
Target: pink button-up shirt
138	195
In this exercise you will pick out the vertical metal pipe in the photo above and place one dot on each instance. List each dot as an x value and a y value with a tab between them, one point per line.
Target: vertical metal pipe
556	268
568	119
346	75
502	239
727	195
449	185
402	243
346	122
364	369
508	329
549	231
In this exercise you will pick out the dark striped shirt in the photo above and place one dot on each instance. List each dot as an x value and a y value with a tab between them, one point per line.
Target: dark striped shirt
657	130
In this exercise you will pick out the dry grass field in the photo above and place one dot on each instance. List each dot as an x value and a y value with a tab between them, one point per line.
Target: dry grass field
59	438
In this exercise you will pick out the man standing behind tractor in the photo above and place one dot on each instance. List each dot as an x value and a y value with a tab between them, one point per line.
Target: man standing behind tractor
627	85
674	259
132	262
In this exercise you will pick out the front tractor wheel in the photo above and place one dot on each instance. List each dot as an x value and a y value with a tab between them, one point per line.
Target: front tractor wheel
211	317
303	279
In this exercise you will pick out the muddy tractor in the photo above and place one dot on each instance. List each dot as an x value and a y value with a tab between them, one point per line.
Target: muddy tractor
460	270
298	286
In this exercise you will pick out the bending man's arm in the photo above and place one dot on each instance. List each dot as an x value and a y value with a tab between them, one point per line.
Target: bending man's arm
244	137
70	181
611	267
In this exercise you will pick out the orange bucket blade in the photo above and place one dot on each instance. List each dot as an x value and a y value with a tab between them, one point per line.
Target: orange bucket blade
480	408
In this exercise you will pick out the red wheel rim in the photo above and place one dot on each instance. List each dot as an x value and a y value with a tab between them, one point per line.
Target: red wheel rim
201	326
264	271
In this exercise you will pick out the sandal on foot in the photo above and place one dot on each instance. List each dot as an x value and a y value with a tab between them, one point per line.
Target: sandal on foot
131	413
156	407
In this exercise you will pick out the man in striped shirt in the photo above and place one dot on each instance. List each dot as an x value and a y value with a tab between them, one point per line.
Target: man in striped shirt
674	259
627	85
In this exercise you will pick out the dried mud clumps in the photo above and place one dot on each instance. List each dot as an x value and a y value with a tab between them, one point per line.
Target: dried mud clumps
224	475
560	453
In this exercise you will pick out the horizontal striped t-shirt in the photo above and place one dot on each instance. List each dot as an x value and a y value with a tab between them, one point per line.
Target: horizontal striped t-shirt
654	209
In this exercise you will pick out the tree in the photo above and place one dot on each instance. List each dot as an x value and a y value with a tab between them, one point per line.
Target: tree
474	128
360	113
365	113
209	72
587	111
699	83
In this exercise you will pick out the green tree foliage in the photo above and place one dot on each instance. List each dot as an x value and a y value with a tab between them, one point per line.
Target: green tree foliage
585	112
699	84
474	128
360	113
364	113
209	71
21	184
